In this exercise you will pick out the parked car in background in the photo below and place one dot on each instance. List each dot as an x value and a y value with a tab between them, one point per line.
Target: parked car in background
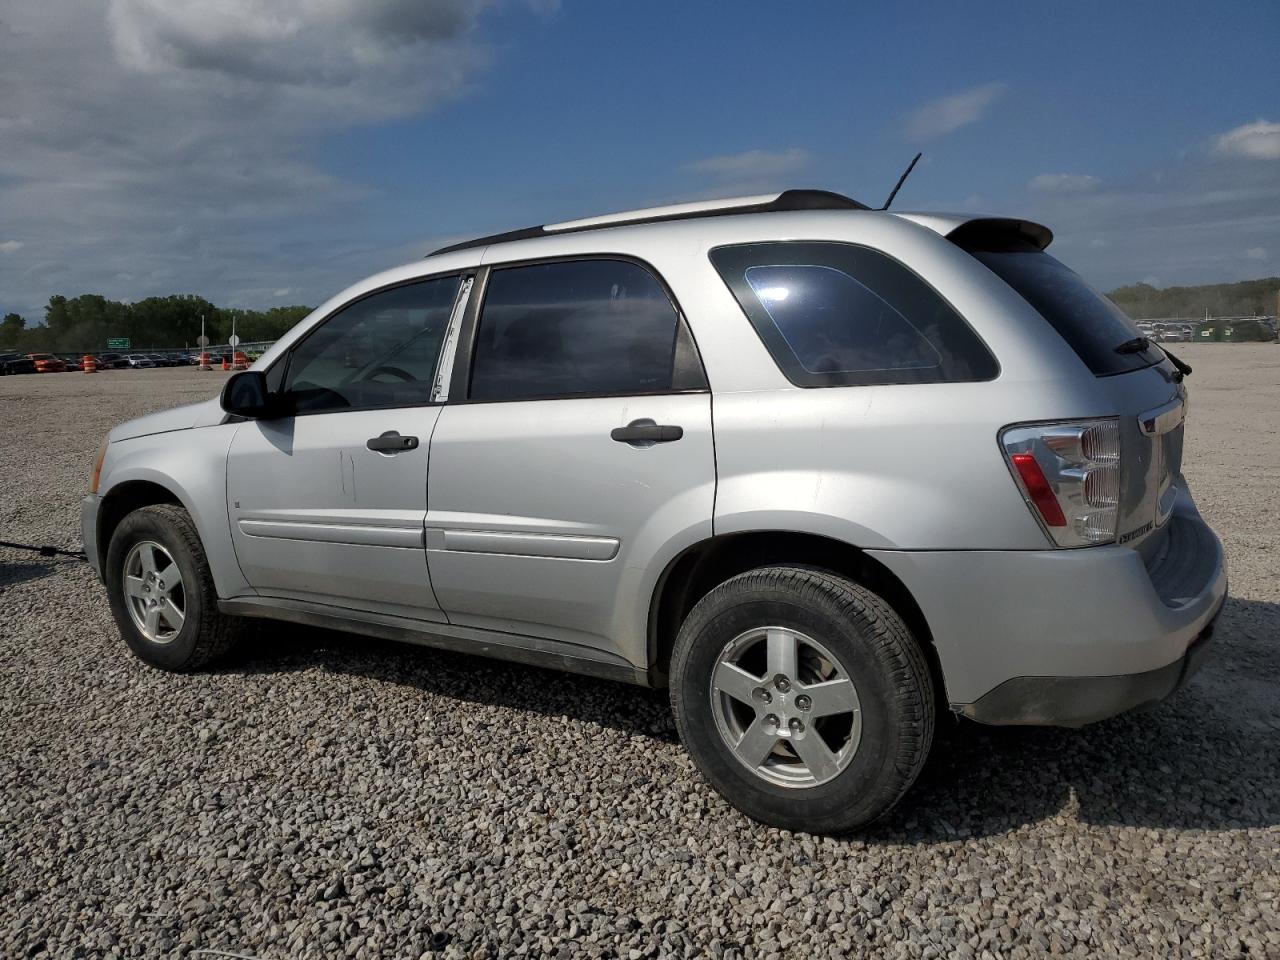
939	471
47	363
161	360
74	364
138	360
14	363
112	361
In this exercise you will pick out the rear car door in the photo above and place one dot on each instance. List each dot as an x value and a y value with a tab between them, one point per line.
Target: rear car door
574	455
327	503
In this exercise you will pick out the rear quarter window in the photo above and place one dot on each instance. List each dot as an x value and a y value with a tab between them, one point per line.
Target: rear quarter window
838	314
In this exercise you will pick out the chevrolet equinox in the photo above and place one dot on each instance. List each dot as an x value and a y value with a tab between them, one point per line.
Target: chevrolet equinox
820	471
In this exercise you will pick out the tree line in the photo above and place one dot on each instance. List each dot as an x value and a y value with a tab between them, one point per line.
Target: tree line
1250	298
85	323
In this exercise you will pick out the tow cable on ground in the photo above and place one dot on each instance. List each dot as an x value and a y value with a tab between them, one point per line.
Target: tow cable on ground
45	551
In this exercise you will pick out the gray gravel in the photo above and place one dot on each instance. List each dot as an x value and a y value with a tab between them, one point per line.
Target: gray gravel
337	796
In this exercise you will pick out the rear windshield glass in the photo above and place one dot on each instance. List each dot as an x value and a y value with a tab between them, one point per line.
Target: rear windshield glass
1090	323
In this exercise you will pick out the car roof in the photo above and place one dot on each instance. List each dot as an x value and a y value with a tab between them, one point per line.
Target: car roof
796	201
786	201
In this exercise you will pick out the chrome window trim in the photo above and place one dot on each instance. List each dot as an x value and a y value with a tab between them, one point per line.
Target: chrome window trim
448	350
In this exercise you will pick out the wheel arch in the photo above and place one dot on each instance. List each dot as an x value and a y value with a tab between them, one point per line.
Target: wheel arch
124	498
705	565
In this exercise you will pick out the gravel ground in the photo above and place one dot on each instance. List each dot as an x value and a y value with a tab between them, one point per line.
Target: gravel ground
336	796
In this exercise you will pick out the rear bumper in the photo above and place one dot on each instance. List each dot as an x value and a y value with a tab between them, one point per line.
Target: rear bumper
1076	701
1068	637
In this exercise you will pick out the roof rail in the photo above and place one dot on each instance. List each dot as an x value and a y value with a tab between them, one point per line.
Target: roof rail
788	200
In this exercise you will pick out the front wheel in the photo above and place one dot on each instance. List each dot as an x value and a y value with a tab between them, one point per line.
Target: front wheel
803	698
162	594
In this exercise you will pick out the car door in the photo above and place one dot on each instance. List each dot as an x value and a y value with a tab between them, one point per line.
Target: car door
574	457
327	502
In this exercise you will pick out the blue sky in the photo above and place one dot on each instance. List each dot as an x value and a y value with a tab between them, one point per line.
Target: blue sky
179	146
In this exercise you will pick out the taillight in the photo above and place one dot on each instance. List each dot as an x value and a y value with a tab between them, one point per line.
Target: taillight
1069	473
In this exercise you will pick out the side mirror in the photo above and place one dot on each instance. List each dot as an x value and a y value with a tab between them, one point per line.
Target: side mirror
246	395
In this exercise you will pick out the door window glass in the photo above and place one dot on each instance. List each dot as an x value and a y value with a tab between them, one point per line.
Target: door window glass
380	351
574	328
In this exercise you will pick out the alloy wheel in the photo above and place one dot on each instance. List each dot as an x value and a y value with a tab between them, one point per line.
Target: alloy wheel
786	707
154	591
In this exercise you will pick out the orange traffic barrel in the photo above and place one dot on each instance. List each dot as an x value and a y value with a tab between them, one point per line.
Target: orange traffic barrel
89	364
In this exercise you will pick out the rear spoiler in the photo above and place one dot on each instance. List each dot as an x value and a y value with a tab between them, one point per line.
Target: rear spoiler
994	232
984	233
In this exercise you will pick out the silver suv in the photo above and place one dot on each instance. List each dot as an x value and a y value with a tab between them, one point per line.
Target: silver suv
820	471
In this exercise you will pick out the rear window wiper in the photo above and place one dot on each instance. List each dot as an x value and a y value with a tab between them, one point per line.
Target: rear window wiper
1136	345
1181	366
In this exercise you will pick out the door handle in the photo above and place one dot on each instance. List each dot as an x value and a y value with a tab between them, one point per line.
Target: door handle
392	442
645	433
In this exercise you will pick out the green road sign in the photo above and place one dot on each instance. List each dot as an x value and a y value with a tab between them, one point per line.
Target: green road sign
118	343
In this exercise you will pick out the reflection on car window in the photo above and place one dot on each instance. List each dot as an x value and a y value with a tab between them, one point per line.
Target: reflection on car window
571	329
839	314
380	351
836	324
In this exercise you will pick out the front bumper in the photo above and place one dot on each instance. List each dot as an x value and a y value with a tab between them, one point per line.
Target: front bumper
1068	637
89	507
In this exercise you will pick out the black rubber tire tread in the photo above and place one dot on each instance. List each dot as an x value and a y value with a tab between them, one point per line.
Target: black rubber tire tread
207	635
892	674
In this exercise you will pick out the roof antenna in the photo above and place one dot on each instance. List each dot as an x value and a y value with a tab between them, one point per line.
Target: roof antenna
901	180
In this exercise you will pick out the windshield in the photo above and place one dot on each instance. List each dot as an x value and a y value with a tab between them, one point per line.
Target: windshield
1087	320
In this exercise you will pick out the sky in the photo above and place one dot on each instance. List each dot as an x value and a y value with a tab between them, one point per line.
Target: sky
265	154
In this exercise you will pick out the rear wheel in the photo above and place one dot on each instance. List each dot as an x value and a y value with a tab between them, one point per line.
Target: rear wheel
803	698
162	594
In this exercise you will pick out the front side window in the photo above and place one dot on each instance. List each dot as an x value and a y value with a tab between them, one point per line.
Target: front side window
577	328
836	314
380	351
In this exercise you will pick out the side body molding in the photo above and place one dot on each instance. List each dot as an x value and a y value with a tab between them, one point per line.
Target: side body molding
522	544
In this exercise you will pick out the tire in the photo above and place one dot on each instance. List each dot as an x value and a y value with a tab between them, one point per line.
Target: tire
205	635
883	743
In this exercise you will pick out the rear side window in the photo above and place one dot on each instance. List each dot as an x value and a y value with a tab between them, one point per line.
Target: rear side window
1090	323
837	314
594	327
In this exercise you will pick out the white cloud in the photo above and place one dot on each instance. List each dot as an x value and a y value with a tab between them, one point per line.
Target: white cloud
753	164
171	140
1255	253
1256	141
1195	221
282	291
11	246
947	114
1063	183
